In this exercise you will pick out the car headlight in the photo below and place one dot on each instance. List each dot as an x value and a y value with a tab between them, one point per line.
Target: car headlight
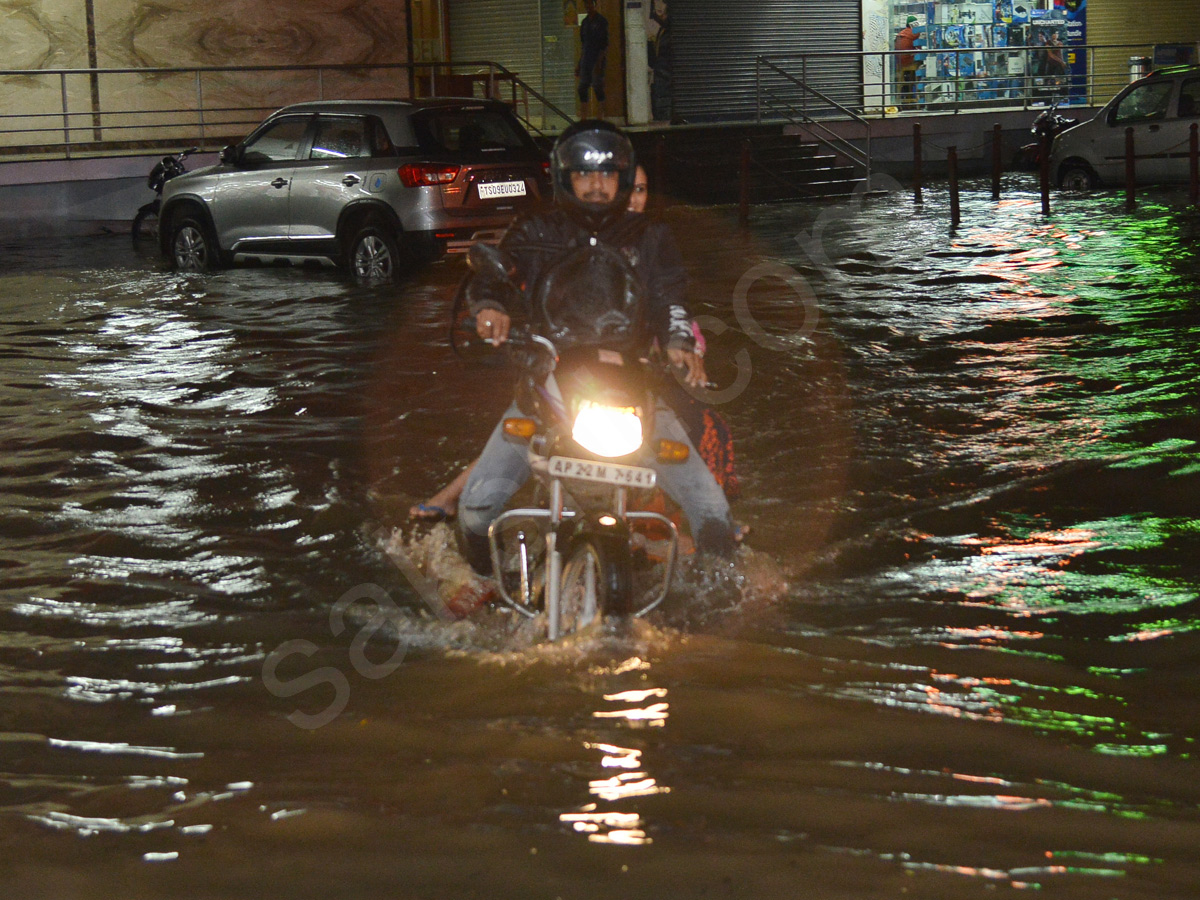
608	431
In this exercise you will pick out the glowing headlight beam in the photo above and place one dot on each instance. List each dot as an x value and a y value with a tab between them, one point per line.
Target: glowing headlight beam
608	431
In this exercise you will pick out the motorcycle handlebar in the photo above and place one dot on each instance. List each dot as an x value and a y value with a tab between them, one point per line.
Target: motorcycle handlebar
519	337
522	338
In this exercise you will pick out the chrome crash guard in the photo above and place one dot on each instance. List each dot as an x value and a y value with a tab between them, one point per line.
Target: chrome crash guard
554	515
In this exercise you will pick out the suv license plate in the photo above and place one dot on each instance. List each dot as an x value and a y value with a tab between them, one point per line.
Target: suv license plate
606	473
490	190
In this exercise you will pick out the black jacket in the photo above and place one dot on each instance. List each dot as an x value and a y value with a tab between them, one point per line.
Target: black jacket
534	241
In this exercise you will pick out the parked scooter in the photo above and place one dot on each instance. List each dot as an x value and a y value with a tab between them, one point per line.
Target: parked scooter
1048	124
145	223
577	553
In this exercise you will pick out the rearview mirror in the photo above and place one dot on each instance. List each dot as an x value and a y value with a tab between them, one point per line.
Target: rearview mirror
490	262
232	155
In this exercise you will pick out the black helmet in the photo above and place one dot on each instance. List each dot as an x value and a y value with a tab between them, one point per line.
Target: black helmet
592	145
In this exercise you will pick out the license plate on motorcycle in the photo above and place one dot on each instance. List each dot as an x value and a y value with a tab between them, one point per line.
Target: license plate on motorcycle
606	473
490	190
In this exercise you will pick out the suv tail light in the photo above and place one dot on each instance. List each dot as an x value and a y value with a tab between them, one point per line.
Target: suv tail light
425	174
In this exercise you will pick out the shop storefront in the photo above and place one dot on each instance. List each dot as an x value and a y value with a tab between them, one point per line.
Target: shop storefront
697	60
672	60
975	53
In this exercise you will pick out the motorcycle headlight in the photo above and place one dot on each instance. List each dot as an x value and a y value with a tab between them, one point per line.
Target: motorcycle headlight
608	431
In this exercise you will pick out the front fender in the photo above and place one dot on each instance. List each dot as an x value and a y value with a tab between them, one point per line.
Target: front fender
177	205
612	540
593	525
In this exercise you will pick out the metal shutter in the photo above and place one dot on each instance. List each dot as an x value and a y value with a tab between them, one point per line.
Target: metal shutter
505	31
529	38
559	41
715	43
1133	21
1137	22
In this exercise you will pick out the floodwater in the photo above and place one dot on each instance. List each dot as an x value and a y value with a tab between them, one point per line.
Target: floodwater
959	659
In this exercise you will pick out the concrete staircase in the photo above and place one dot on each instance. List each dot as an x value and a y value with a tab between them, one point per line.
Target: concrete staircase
698	164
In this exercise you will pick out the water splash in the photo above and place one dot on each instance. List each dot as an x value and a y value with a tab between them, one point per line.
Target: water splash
704	593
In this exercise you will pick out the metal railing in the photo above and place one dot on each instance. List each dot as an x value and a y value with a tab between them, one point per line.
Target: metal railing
948	80
767	96
61	113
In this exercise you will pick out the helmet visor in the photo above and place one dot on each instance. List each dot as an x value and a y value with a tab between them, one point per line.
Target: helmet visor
594	151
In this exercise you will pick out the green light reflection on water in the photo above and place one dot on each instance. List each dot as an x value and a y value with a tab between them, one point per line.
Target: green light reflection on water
972	698
1076	358
1060	720
1078	570
1154	454
1139	750
1133	366
1110	858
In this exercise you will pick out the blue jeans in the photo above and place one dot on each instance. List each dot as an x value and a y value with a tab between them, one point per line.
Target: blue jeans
503	468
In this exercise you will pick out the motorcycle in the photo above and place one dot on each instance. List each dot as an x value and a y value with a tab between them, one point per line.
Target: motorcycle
1048	123
585	547
145	222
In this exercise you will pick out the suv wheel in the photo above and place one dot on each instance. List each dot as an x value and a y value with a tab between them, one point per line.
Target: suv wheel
193	247
373	254
1077	177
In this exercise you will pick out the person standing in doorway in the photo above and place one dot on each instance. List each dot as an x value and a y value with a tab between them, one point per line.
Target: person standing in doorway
593	59
662	61
906	63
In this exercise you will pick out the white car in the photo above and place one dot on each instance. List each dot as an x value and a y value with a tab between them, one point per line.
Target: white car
1160	108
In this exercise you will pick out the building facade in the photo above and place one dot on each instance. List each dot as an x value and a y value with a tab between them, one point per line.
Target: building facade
667	60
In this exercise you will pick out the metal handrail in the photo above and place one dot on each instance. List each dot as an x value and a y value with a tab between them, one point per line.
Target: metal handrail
834	141
786	83
64	131
537	95
880	98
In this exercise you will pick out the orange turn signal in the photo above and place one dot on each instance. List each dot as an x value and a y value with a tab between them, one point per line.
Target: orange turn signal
672	452
520	428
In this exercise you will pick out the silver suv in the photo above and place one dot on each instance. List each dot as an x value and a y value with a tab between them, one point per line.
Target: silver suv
368	184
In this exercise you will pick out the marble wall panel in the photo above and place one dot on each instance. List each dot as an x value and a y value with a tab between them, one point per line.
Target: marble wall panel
40	34
175	33
146	34
43	34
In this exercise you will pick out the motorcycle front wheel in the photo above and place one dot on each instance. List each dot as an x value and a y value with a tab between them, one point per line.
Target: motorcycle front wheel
595	582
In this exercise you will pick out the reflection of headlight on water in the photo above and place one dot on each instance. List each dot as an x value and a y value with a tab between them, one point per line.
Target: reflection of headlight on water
607	827
609	431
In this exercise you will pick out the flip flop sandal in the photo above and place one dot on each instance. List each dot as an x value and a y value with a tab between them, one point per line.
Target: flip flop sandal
428	512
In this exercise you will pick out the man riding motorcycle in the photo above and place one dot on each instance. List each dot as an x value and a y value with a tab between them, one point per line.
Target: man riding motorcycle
593	168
